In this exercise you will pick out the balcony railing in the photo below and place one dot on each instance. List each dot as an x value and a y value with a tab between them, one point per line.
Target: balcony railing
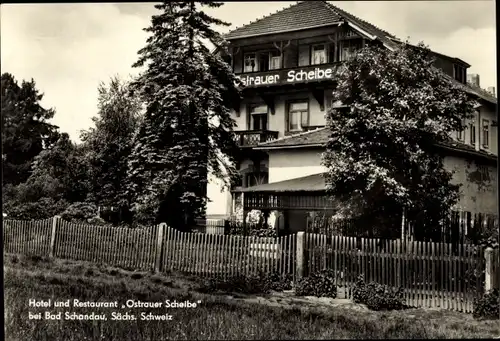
251	138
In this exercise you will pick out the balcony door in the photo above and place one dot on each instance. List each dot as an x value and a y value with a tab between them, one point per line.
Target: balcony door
258	117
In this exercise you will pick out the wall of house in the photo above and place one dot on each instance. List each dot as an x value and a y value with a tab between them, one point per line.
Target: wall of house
478	190
479	181
288	164
479	184
488	113
277	122
219	200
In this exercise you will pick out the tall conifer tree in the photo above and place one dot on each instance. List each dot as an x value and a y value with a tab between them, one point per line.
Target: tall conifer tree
187	130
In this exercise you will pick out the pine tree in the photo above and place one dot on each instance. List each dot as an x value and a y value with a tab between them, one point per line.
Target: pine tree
25	130
187	129
382	154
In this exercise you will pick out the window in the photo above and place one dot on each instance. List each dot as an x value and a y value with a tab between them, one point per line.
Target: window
460	73
318	54
472	128
298	116
262	61
461	133
486	133
258	117
250	63
349	49
274	60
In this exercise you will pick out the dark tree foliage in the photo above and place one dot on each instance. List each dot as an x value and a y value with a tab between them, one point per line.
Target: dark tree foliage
187	130
59	177
382	155
109	144
25	130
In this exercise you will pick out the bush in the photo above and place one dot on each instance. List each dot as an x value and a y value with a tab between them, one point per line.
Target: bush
237	228
251	284
80	211
488	306
42	209
378	296
97	221
320	284
277	282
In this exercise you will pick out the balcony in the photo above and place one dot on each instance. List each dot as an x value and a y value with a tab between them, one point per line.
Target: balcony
251	138
296	75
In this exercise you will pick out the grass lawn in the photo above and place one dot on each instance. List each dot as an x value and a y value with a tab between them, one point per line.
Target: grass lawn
216	317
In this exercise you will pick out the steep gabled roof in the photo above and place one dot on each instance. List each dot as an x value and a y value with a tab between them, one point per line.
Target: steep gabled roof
305	15
301	16
313	14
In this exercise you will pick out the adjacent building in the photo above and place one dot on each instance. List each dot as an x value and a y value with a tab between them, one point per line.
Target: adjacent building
287	62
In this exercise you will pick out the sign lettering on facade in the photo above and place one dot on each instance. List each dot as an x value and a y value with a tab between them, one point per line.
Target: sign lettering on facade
288	76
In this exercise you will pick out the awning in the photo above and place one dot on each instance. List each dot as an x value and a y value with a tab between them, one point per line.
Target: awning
310	183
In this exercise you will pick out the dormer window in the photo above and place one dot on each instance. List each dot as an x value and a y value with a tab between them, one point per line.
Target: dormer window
460	73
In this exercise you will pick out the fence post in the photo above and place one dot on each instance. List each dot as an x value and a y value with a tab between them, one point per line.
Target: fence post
489	271
300	257
159	244
53	236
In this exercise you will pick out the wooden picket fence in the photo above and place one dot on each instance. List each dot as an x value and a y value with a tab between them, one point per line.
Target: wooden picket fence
153	248
226	255
116	246
432	274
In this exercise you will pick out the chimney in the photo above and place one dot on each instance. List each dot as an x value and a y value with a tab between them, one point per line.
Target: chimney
491	90
473	78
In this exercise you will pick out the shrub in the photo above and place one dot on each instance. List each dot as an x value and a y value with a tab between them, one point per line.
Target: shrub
238	284
250	284
277	282
80	211
97	221
377	296
42	209
237	228
320	284
488	306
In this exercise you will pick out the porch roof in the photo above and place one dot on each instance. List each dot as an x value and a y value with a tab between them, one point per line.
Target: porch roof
310	183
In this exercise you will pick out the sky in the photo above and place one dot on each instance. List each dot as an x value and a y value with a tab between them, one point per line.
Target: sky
68	49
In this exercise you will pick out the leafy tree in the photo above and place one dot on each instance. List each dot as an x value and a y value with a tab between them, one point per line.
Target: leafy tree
67	163
59	177
382	154
109	144
187	127
25	130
